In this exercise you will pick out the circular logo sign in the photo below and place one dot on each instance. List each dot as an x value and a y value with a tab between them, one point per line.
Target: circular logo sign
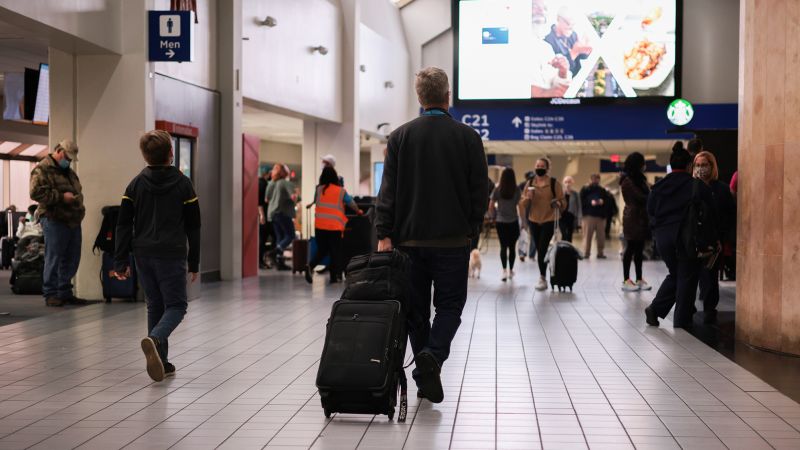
680	112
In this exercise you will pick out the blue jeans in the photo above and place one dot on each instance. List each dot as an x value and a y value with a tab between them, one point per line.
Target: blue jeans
446	270
62	255
164	284
284	230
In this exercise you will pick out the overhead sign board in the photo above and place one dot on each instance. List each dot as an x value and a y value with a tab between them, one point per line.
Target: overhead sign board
588	122
170	36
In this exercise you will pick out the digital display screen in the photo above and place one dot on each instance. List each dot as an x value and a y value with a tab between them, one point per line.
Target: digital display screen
41	112
566	49
377	177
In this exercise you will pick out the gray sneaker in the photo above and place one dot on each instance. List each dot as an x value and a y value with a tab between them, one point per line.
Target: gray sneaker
155	367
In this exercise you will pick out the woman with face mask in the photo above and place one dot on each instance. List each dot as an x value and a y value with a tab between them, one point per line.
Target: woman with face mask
635	224
543	194
705	168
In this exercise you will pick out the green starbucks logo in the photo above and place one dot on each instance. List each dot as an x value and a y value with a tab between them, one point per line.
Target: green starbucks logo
680	112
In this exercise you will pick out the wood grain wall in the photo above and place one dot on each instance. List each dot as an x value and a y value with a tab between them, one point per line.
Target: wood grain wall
768	258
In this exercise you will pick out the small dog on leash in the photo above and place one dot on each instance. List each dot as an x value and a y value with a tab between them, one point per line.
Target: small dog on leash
475	264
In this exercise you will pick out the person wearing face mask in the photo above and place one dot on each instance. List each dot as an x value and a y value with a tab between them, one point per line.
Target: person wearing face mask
543	194
667	207
57	189
593	203
572	215
706	170
28	225
635	224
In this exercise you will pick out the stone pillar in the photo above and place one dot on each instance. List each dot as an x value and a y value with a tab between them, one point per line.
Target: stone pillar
768	242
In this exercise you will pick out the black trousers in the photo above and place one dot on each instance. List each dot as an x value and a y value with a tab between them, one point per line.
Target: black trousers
634	250
567	226
680	286
508	234
541	234
263	236
709	287
329	243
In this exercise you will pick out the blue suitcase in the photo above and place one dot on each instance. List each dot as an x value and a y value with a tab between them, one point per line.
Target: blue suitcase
113	288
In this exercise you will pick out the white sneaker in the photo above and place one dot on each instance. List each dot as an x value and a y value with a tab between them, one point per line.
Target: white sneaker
643	285
542	285
630	286
510	274
504	277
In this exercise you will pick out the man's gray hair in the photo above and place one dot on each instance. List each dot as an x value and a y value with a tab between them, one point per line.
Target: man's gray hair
432	87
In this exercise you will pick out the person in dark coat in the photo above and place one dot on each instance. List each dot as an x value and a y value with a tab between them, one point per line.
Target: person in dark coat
666	208
707	170
635	224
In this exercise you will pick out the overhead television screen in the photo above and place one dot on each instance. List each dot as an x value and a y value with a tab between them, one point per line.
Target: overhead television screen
566	49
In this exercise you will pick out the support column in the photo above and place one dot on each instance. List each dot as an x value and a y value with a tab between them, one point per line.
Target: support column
230	64
768	242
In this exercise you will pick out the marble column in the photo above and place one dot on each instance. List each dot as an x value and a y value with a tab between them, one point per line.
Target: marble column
768	258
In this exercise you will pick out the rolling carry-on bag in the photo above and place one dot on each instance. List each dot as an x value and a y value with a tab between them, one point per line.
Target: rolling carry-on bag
361	370
359	238
114	288
7	250
562	259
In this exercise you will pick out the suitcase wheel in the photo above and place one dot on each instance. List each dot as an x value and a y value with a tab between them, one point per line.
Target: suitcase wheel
390	414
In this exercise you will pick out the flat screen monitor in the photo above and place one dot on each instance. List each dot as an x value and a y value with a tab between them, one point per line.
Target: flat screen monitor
377	177
41	112
566	51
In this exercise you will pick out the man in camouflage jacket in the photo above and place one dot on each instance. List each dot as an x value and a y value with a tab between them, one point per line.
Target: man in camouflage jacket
55	186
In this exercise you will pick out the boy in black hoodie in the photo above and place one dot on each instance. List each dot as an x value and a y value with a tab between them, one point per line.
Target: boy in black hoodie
159	215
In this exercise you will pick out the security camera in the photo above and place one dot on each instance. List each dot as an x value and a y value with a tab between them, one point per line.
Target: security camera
321	49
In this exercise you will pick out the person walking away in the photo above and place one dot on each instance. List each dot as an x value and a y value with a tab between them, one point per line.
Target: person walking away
635	223
431	204
572	215
593	205
506	197
329	223
263	224
159	221
281	198
543	195
58	191
707	170
29	225
666	208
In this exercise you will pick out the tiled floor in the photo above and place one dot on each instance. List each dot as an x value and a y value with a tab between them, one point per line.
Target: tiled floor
528	370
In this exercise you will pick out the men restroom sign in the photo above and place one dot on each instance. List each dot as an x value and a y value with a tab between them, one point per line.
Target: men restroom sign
170	36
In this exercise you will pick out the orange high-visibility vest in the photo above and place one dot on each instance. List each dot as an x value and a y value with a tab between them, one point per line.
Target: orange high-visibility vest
330	214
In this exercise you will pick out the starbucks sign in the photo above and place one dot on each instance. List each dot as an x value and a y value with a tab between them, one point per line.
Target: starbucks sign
680	112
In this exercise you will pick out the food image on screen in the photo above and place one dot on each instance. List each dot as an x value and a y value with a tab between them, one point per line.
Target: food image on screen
642	59
523	49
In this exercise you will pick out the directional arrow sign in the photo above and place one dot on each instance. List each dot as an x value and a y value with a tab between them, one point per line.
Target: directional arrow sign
516	121
170	53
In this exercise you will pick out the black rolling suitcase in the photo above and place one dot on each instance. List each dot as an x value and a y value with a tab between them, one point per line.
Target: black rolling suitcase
361	369
562	259
7	250
359	238
114	288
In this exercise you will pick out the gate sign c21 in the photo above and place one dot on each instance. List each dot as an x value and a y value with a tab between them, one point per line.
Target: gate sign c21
170	36
587	122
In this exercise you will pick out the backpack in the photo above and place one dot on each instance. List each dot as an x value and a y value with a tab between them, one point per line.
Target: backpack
697	236
108	229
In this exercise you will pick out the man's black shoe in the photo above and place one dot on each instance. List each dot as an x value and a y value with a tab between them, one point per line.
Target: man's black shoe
420	394
650	317
53	301
710	316
429	377
76	301
155	367
307	274
169	370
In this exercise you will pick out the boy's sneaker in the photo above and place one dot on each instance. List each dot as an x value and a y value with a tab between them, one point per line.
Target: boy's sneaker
630	286
155	367
643	285
169	370
428	378
542	284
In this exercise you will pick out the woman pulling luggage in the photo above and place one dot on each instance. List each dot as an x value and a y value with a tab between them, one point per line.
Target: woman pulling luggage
329	223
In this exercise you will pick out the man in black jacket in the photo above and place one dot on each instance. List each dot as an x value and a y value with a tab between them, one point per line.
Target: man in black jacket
593	203
432	201
158	216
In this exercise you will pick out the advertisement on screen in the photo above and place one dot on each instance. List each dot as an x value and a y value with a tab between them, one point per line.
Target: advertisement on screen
567	51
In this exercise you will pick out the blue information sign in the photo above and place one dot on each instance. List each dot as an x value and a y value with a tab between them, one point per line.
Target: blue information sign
170	35
588	122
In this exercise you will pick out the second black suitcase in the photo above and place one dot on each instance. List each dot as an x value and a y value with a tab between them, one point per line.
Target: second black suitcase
113	288
361	370
7	249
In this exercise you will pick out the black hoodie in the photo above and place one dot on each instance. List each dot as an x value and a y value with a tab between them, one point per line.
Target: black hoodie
158	215
670	197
